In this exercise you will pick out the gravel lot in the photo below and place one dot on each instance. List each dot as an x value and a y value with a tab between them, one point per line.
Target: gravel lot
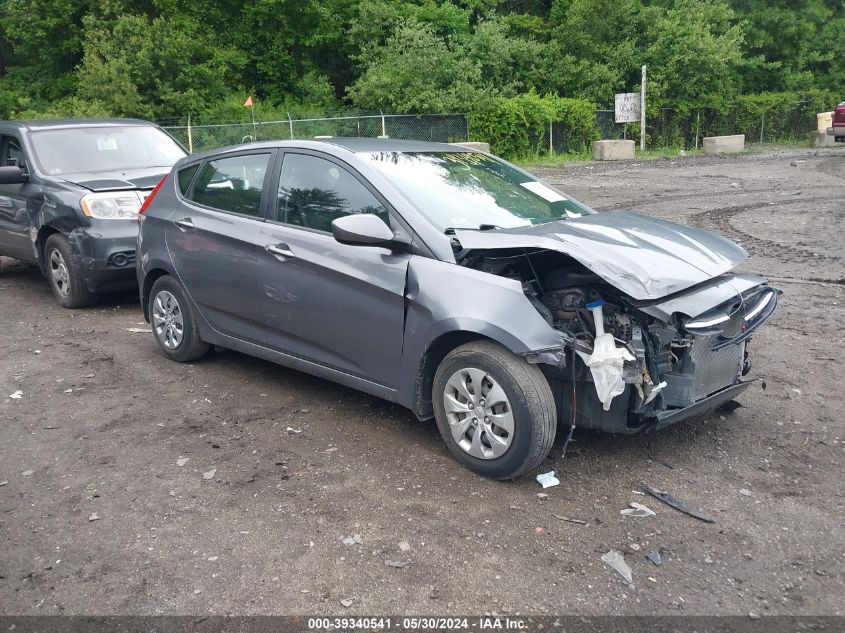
104	419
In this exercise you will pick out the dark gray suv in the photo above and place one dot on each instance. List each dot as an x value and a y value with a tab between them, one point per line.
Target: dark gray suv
70	191
451	282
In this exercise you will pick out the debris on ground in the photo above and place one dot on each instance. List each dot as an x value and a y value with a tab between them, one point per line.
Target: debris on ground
138	330
538	530
542	495
668	499
355	539
397	564
294	431
27	473
182	461
3	483
347	602
547	480
616	560
94	517
637	510
404	546
17	395
209	474
745	492
569	520
654	557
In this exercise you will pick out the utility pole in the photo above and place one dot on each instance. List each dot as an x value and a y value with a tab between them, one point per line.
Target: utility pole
642	110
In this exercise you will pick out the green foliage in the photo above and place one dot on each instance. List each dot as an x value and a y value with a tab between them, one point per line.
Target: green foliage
171	58
518	126
415	70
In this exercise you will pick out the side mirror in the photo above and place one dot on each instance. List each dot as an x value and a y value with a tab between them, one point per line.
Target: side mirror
365	229
13	176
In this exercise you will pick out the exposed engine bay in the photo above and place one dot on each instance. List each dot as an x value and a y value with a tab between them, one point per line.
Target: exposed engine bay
631	365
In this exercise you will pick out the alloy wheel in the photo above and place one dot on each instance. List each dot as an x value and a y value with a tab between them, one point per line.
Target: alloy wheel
168	322
59	273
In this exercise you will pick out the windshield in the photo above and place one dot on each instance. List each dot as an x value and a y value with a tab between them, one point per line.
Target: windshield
107	148
468	190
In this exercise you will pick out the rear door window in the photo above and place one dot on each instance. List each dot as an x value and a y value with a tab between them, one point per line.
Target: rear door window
233	184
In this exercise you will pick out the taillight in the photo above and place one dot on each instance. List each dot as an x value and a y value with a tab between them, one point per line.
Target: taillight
150	197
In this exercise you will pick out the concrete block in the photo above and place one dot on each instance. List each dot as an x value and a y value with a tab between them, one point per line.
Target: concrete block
613	150
823	139
479	145
724	144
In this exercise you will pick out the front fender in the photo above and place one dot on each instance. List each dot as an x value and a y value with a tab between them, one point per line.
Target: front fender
444	298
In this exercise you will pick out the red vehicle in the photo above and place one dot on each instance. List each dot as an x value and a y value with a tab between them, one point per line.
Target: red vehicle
838	129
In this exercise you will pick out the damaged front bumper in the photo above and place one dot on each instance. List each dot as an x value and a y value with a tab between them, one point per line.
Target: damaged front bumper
692	364
105	252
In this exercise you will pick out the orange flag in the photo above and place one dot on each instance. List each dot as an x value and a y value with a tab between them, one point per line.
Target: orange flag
248	102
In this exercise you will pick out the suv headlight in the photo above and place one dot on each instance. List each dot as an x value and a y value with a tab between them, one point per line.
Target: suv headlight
119	205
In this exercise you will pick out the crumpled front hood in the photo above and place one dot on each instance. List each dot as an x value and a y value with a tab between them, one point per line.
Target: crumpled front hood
644	257
145	178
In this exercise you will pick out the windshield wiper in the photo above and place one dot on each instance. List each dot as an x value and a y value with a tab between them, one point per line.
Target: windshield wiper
450	230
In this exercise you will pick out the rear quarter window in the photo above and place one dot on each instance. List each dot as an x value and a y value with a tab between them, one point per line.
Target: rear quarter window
185	176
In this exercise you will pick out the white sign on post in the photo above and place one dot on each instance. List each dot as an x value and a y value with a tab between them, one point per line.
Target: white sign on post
627	107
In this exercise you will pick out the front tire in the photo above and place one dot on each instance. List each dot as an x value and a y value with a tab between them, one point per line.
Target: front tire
494	410
64	275
174	322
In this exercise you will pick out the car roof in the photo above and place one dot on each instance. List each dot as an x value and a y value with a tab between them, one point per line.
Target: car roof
41	124
355	145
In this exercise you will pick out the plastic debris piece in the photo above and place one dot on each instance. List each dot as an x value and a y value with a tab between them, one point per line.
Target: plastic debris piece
182	461
606	361
349	541
547	480
209	474
637	510
397	564
668	499
745	492
94	517
138	330
17	395
654	557
294	431
569	520
616	561
347	602
538	530
404	546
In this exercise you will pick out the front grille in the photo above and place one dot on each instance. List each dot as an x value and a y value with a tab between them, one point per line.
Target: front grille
714	370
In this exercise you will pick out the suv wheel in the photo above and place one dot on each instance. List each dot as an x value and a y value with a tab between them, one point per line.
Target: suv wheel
494	410
174	323
64	274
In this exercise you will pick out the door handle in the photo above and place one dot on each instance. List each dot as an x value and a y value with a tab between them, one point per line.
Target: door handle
279	251
184	223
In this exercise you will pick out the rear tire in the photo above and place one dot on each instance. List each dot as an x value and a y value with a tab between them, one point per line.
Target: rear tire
64	275
174	323
494	410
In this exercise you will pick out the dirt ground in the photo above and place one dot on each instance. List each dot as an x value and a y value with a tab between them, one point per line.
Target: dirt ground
104	418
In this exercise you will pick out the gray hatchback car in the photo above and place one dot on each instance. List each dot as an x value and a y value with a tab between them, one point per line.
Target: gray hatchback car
451	282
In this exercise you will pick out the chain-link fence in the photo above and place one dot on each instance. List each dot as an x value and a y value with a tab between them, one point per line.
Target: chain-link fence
668	128
444	128
778	123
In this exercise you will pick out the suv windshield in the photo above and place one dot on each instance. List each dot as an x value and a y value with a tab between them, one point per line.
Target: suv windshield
107	148
467	190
